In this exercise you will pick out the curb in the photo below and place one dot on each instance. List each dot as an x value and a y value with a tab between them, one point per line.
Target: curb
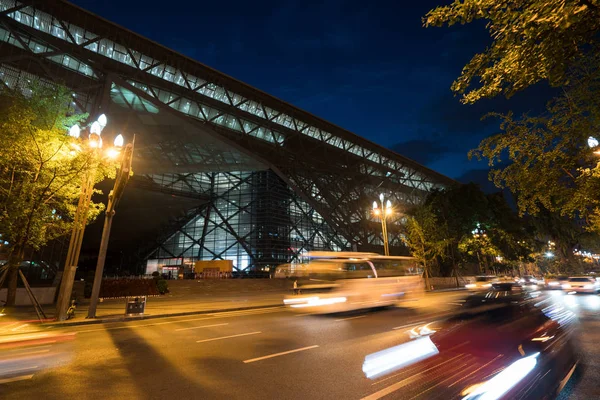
157	316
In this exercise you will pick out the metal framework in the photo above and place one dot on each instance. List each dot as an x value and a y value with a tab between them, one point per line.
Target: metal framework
275	181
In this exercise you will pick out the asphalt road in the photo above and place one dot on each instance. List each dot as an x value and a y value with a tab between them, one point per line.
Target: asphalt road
257	354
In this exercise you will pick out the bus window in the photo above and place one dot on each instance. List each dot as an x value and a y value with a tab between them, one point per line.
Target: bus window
358	270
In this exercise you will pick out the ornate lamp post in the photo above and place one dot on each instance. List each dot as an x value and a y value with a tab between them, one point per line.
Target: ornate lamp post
383	212
94	141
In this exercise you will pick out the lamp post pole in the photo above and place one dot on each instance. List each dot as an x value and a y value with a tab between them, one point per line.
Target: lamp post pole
121	179
66	284
80	220
383	213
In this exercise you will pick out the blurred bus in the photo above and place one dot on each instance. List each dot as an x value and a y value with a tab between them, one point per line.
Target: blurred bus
343	281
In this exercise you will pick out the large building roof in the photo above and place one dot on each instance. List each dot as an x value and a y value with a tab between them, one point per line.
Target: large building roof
196	89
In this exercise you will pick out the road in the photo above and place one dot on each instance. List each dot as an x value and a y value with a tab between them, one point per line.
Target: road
255	354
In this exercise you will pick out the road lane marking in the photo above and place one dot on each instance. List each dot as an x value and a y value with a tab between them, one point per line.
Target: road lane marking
280	354
227	337
407	325
199	327
346	319
16	379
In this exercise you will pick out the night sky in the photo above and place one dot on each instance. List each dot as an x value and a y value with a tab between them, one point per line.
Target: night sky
370	68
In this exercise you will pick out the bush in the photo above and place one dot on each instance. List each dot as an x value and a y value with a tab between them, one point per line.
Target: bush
155	274
162	286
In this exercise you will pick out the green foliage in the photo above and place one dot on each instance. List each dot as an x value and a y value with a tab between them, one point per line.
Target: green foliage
41	169
532	41
463	225
545	160
422	236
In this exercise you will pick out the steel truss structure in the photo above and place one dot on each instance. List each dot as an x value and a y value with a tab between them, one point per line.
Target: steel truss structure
272	180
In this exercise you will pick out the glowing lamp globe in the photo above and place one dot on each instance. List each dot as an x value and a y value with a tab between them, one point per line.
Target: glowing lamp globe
119	141
75	131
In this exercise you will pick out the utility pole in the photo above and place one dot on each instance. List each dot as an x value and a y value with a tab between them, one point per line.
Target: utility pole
121	179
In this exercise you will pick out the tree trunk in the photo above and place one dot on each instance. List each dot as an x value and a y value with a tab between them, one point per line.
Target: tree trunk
14	262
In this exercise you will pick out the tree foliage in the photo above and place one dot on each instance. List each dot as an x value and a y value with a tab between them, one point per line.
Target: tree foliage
532	40
545	160
466	226
423	236
41	170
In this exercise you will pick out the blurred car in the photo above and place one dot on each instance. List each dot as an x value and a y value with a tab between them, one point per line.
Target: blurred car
556	282
512	351
529	282
483	282
582	284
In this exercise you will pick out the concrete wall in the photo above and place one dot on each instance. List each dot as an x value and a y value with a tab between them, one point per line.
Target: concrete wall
44	295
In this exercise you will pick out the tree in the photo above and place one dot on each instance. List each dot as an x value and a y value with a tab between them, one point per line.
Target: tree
532	41
41	170
423	240
544	160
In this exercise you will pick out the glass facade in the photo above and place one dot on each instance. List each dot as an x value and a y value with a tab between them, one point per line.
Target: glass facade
253	219
272	181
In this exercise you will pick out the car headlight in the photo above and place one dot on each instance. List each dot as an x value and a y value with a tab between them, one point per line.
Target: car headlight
553	283
588	287
566	286
470	286
508	378
487	285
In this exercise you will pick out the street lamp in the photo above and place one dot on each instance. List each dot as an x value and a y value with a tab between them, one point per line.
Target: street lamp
383	213
123	173
85	197
94	141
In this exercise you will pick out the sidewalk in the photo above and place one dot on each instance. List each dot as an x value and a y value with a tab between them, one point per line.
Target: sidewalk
23	319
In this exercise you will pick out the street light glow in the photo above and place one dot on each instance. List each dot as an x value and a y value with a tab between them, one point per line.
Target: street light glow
592	142
112	153
119	140
95	141
549	254
388	208
75	131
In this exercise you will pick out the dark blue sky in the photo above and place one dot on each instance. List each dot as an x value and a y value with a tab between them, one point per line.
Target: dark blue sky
369	67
